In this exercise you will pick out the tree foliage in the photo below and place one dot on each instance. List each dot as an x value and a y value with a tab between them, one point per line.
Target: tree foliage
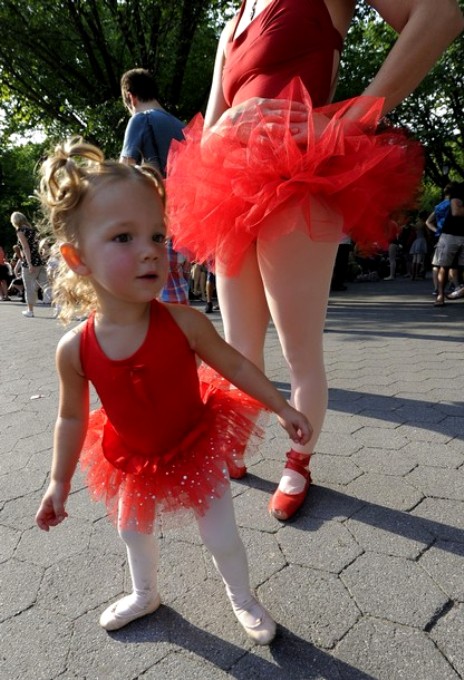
61	62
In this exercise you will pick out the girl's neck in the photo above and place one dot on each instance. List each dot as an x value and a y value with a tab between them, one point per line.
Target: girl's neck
120	334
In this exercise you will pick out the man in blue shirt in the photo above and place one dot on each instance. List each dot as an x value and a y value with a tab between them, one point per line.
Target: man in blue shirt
147	139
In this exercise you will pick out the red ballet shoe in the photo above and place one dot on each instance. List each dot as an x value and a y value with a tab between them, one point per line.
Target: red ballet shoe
283	505
236	471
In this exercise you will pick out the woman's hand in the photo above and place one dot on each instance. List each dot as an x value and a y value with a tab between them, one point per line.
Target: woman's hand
264	117
296	424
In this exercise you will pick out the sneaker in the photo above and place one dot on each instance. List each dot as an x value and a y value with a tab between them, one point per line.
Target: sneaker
209	308
389	278
28	313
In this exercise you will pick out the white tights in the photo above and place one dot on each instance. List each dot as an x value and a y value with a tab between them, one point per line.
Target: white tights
288	279
219	533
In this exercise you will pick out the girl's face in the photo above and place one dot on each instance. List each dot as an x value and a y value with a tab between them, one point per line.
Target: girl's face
122	241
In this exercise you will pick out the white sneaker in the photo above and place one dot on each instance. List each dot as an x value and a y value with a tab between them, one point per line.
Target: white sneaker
389	278
28	313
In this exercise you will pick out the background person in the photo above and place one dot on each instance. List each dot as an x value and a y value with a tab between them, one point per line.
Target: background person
147	139
33	268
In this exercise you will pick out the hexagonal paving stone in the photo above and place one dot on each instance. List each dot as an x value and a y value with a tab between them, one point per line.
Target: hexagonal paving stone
126	653
19	483
385	490
436	456
20	584
395	589
438	482
379	437
333	469
203	620
336	444
447	633
185	665
9	539
34	645
182	566
386	651
329	547
73	586
258	545
315	606
69	538
443	518
444	562
383	462
19	513
390	532
288	658
329	502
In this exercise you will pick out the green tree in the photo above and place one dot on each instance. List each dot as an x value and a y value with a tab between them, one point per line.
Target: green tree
61	62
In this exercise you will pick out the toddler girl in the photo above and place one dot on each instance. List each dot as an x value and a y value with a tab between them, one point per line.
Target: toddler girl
163	437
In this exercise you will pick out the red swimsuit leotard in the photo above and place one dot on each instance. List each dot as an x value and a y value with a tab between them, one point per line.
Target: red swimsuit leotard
286	40
224	191
162	436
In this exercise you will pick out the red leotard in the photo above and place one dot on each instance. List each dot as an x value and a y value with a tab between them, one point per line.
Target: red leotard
249	179
286	40
163	435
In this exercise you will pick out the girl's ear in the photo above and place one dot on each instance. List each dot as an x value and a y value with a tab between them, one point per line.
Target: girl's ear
71	256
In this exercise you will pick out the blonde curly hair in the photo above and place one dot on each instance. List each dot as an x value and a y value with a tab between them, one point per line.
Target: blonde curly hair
68	175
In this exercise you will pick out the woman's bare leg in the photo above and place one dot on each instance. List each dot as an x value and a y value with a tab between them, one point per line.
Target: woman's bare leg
244	309
296	272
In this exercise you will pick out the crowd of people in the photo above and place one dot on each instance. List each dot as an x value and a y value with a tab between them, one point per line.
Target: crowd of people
263	194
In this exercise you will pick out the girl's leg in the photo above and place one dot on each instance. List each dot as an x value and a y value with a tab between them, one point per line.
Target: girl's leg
219	533
244	310
296	272
142	556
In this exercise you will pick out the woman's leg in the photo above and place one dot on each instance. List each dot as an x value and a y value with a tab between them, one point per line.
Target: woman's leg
30	288
218	531
296	272
244	310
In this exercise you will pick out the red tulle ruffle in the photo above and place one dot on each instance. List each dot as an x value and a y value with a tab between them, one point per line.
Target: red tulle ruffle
186	481
348	177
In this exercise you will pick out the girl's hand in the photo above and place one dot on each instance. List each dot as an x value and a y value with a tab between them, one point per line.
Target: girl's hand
52	508
297	425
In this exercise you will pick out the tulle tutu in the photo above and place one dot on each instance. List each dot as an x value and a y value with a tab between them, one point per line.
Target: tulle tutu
187	478
250	177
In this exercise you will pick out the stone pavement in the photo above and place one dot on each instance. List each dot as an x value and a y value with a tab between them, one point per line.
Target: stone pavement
367	581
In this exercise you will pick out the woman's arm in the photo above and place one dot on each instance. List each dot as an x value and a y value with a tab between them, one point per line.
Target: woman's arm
70	431
425	29
216	102
431	222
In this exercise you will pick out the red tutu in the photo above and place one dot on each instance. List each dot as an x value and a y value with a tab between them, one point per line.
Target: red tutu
187	478
222	190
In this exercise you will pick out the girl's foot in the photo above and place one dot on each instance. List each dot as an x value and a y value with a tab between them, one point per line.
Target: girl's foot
127	609
256	622
293	486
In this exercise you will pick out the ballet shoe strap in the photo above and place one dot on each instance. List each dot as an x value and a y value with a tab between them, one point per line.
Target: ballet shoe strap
298	461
